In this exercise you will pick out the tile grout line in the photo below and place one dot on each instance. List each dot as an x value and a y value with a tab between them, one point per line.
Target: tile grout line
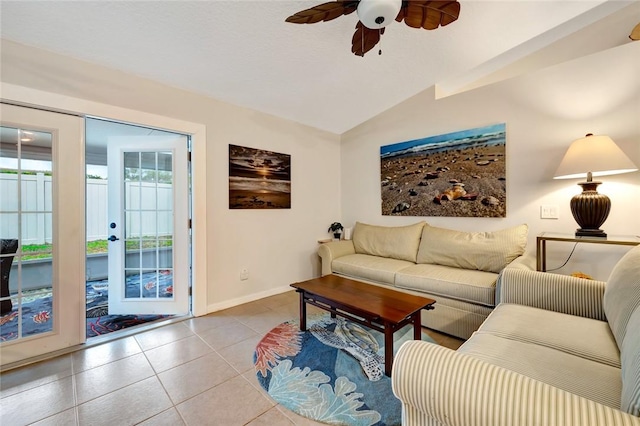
75	391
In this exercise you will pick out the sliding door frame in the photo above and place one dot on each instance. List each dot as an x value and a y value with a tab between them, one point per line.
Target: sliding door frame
25	96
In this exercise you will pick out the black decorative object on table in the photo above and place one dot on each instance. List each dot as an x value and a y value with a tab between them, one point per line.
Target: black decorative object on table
590	209
7	246
336	228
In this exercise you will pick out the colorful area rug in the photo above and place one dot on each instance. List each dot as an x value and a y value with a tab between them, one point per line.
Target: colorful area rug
37	314
332	373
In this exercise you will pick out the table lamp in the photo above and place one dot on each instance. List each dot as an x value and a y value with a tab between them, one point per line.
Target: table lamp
593	155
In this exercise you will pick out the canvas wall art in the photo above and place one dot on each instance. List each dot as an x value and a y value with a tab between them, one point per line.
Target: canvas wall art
259	179
458	174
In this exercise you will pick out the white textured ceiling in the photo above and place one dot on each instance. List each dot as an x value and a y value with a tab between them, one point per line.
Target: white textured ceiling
243	52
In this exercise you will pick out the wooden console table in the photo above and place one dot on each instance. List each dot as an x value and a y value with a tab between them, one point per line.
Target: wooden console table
541	243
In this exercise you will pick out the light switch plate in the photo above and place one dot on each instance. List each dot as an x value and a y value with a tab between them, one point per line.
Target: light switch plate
548	211
244	274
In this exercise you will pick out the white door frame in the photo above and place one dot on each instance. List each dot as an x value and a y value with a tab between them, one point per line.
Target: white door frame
28	96
68	262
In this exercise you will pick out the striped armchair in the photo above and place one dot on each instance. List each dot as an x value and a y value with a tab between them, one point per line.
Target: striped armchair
557	350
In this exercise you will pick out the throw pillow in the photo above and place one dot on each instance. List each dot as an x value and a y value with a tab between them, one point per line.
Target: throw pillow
483	251
622	294
630	366
396	242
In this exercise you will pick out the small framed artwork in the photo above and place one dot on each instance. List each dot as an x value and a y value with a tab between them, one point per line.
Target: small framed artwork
259	179
458	174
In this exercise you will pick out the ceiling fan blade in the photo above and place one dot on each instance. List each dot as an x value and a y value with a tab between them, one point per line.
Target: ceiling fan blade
364	39
429	14
324	12
635	33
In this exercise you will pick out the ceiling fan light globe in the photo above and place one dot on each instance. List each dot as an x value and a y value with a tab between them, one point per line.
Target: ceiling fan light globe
376	14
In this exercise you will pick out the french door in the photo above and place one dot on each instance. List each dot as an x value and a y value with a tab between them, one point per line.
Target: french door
42	228
148	225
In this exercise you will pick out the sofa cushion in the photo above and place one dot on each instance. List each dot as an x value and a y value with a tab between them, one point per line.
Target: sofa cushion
462	284
484	251
374	268
584	337
584	377
622	293
396	242
631	367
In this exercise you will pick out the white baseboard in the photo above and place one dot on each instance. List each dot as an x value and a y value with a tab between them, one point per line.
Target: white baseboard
246	299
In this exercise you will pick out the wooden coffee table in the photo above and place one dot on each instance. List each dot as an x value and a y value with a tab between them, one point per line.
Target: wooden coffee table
379	308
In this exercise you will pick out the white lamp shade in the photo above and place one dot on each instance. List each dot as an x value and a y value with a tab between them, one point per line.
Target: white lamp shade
596	154
375	14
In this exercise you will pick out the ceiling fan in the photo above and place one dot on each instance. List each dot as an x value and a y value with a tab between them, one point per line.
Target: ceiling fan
375	15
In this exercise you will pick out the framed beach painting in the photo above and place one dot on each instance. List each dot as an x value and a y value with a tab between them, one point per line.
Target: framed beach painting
458	174
259	179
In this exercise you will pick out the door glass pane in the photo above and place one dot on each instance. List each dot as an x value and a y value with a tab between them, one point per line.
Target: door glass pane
149	167
150	283
165	167
148	195
132	199
132	225
165	254
149	224
133	286
132	254
149	255
26	237
131	166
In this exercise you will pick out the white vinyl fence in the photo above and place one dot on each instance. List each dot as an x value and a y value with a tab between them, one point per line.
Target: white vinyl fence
36	208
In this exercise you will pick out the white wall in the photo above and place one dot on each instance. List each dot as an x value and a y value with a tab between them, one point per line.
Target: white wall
277	246
544	112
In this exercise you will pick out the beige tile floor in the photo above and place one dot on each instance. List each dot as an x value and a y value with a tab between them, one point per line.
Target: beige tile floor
195	372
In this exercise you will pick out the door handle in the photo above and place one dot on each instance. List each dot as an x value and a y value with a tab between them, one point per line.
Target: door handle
113	238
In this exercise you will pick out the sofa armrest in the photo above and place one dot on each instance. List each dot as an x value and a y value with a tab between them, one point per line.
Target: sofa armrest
334	250
553	292
438	386
525	261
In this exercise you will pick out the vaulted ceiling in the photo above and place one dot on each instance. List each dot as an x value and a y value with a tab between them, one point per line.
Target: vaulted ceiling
244	53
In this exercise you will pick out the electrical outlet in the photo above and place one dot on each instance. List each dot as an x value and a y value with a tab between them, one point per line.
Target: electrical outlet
244	274
549	211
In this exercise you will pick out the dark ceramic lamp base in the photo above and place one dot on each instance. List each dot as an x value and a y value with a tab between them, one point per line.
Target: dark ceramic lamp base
590	210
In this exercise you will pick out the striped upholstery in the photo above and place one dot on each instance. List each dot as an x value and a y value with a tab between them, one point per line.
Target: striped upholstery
553	292
438	386
622	306
590	379
462	284
380	269
483	251
631	366
575	337
547	355
622	294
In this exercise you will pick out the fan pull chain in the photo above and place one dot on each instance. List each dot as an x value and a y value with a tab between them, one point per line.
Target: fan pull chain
380	38
362	39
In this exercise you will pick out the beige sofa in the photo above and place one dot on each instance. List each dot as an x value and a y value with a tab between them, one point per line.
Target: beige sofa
457	269
557	350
